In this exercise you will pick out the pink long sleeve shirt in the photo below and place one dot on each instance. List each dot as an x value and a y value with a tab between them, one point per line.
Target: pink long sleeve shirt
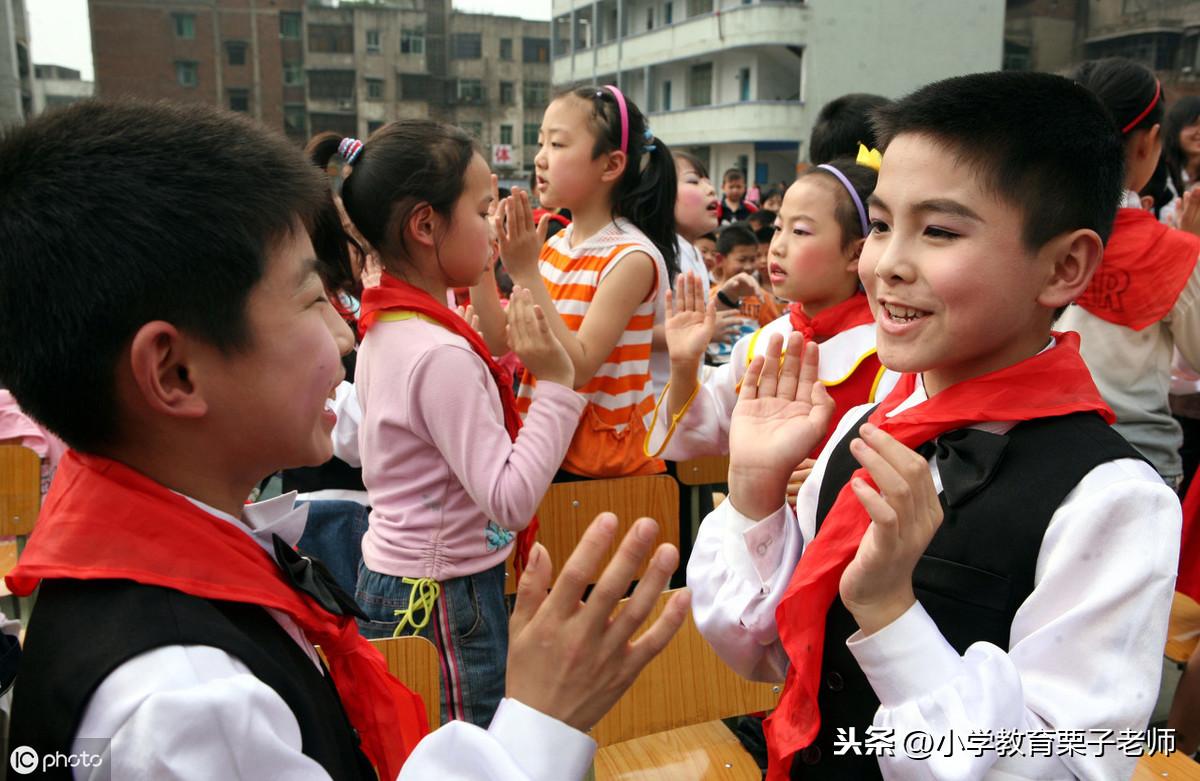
448	488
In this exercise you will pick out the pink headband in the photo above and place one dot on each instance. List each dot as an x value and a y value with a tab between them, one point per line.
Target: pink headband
624	116
1140	117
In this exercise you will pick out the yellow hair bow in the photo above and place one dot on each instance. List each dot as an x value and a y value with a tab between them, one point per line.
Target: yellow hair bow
871	158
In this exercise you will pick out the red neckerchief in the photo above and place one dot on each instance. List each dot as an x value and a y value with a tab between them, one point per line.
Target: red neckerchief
103	520
826	324
1145	266
1188	581
1052	383
396	295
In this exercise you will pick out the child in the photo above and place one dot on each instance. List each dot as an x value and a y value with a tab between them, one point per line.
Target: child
772	200
696	208
181	367
602	280
1181	143
814	264
449	479
842	124
734	206
706	245
1144	300
1040	603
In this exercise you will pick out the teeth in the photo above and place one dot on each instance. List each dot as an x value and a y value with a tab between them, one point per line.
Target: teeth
329	405
903	313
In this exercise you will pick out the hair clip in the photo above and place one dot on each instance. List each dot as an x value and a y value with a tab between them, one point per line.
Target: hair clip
871	158
350	149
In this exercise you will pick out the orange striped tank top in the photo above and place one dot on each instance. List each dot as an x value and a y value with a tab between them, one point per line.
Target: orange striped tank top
620	397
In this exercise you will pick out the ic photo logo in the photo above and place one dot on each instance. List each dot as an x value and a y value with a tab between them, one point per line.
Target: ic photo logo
91	753
23	760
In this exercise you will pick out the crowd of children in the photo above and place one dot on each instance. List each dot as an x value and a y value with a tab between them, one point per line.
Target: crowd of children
941	361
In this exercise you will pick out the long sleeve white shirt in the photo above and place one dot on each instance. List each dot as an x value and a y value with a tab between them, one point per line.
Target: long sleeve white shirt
195	712
1085	648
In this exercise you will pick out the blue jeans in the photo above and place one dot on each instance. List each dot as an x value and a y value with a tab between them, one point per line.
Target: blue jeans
469	626
334	535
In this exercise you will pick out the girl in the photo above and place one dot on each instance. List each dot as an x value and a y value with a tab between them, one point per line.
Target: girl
1181	143
602	280
449	478
813	263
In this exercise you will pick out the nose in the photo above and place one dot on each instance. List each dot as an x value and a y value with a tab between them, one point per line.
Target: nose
886	259
539	160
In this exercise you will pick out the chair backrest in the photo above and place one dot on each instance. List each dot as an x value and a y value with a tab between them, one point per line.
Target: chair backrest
20	489
414	660
568	508
705	470
684	685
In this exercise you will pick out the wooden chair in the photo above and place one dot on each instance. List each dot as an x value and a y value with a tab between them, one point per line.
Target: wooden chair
1183	629
667	725
568	508
708	470
1175	767
414	660
20	500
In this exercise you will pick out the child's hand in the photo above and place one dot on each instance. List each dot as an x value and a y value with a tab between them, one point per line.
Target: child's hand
796	481
780	416
530	337
468	313
691	322
905	513
740	286
520	240
1188	213
571	659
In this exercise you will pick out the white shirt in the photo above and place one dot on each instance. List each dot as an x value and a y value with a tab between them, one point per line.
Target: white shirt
1085	648
195	712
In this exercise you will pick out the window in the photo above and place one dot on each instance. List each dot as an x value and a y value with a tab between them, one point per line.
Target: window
239	100
668	13
700	85
507	93
187	72
649	18
666	98
331	85
374	89
373	125
474	128
236	52
331	38
372	42
342	124
744	84
506	134
415	86
531	133
506	49
412	40
293	74
470	91
535	49
295	121
466	46
289	25
536	93
185	25
698	7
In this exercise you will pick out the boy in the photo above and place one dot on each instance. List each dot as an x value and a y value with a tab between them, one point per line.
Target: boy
184	347
734	206
842	124
953	591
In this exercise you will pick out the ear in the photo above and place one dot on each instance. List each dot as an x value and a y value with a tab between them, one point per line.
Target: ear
614	166
1147	202
422	225
853	253
162	360
1073	259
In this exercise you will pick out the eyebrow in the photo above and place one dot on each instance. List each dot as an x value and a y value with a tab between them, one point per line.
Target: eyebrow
935	205
308	268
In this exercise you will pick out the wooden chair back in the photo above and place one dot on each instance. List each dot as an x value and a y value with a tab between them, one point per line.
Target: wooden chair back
686	684
1183	629
20	490
414	660
568	508
706	470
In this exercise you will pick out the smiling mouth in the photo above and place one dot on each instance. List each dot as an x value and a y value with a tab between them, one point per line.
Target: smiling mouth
903	314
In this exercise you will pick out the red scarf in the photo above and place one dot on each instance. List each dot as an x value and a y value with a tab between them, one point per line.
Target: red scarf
396	295
1188	581
1052	383
1145	266
854	311
103	520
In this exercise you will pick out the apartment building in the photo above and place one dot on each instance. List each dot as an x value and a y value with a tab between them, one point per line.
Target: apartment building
16	68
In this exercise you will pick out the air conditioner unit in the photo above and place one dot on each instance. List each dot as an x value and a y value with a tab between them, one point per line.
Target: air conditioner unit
346	104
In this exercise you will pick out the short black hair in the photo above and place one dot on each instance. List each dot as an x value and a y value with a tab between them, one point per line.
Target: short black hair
115	214
763	218
696	163
733	174
734	235
1040	142
842	124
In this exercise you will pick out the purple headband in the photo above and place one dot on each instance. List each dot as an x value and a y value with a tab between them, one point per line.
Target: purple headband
624	116
858	204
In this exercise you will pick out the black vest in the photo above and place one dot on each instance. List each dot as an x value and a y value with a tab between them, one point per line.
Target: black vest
976	572
82	630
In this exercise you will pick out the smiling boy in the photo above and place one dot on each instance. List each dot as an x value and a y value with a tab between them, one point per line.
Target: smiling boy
1001	562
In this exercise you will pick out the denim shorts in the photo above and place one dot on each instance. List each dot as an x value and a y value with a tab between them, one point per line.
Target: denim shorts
333	534
469	626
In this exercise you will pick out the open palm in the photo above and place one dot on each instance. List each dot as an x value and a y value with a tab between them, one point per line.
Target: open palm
782	412
691	319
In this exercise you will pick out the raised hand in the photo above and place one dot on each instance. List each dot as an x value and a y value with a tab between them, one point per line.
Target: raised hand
905	513
781	414
741	285
530	337
572	659
468	313
1188	212
520	240
691	320
796	481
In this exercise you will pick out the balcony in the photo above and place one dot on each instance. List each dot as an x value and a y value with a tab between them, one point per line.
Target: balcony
760	24
748	122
